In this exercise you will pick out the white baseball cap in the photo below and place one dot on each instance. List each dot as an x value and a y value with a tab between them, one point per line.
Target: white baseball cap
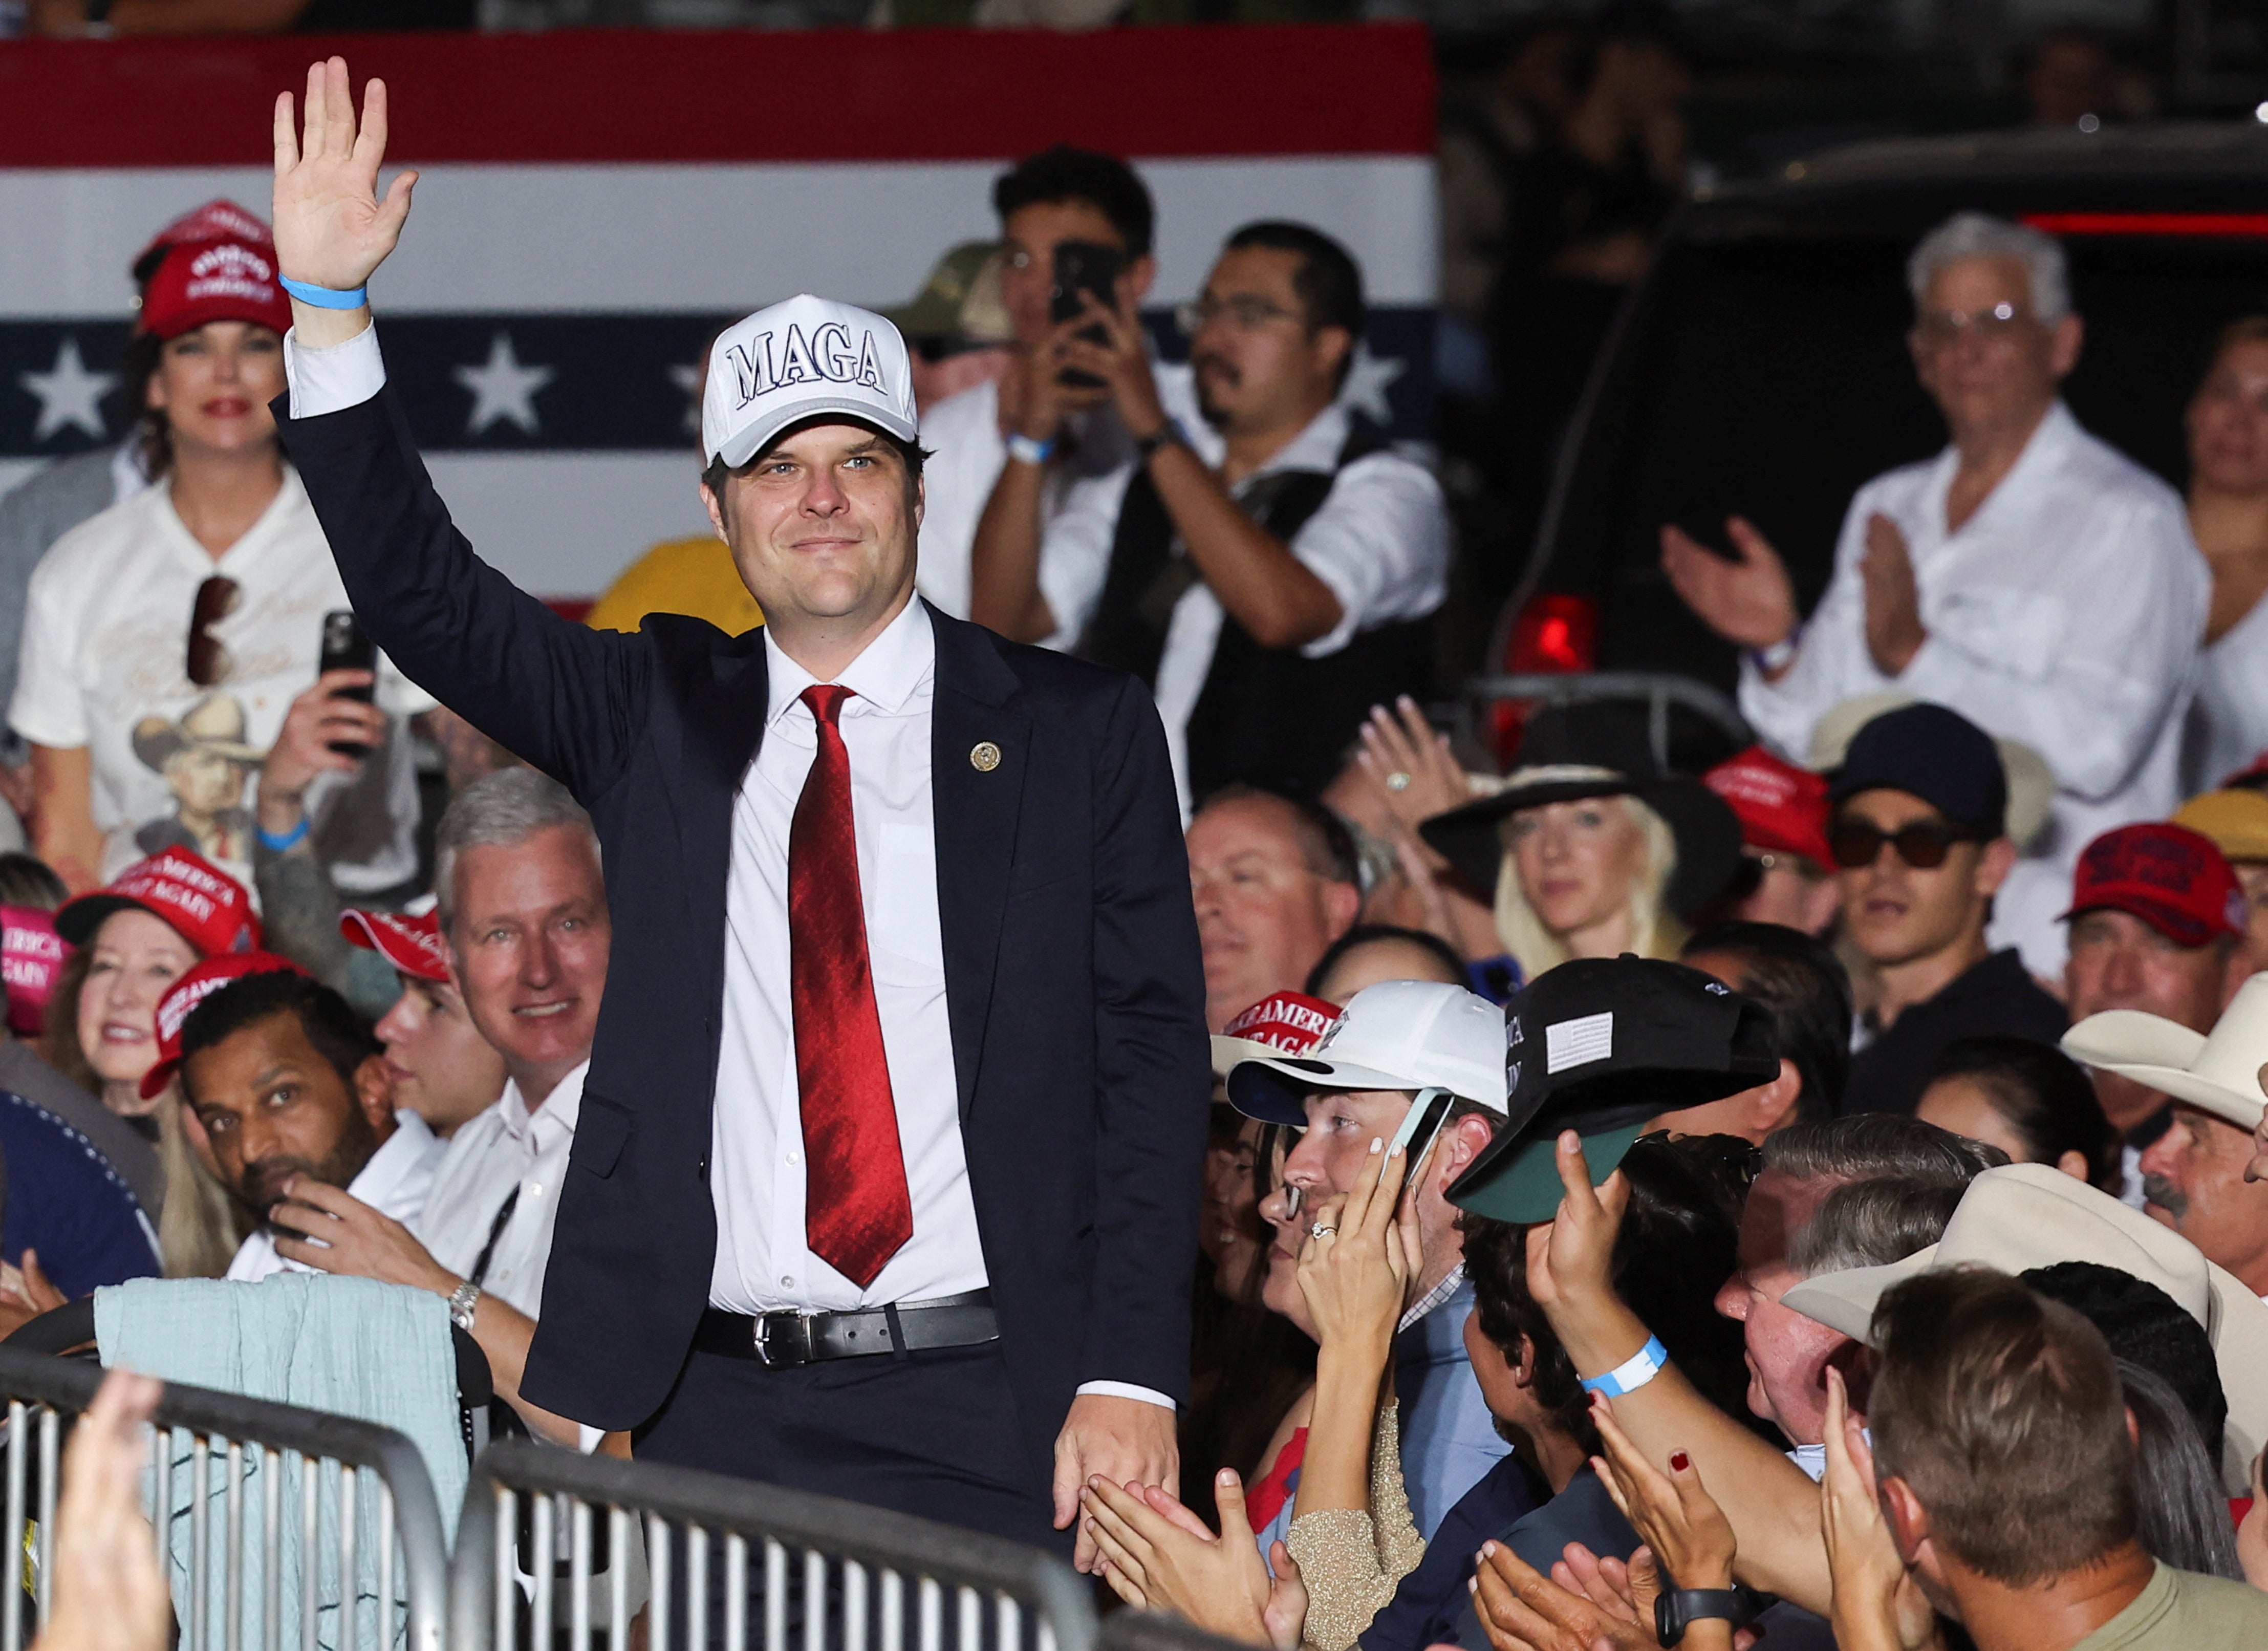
1395	1035
798	360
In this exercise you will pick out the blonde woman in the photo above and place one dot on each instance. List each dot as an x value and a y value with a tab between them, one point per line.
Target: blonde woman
1592	849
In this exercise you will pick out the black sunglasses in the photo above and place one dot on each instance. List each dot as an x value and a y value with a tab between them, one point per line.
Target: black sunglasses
1922	845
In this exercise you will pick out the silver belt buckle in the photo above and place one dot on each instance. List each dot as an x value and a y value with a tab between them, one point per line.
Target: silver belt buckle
764	1321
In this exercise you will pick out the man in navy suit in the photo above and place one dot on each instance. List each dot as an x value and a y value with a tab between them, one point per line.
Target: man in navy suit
885	1179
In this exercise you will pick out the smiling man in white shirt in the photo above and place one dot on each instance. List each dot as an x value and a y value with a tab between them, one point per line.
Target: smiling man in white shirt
2029	576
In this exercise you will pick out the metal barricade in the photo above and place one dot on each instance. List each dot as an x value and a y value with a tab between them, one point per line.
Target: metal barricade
236	1473
1158	1631
858	1578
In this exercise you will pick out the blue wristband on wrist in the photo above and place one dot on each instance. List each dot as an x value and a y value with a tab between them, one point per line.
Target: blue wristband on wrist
289	841
1633	1373
324	297
1024	449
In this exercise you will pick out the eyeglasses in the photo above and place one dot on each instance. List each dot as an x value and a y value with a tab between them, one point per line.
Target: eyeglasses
210	659
1923	845
1941	329
1244	314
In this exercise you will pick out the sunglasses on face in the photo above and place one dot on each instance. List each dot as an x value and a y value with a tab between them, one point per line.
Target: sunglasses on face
1924	844
209	660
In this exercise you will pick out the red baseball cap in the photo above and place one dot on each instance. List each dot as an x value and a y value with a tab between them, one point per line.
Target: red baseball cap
31	956
228	280
207	907
412	944
1281	1023
217	219
2172	878
193	989
1783	809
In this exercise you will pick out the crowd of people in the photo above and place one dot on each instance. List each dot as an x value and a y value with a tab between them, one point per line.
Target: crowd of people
1814	1195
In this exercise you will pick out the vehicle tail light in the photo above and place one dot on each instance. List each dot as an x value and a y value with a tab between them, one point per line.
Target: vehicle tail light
1555	635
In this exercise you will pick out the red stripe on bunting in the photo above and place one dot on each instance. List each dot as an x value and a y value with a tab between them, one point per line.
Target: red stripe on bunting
584	95
2202	225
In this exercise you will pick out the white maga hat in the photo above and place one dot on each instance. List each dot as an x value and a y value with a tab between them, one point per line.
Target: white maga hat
2022	1216
2219	1072
803	359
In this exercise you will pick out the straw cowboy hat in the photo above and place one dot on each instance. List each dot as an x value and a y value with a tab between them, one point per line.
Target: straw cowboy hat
214	724
2217	1072
2022	1216
2031	782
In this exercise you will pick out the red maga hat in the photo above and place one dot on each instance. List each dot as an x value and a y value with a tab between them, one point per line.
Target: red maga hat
192	989
217	219
1783	809
412	944
31	957
2172	878
201	281
206	907
1281	1023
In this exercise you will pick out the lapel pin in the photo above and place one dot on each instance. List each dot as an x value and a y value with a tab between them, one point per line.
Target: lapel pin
984	756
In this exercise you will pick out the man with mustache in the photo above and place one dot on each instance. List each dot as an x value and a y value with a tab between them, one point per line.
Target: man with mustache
1266	573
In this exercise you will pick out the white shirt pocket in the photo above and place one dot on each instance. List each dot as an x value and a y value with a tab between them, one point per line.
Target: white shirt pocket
903	912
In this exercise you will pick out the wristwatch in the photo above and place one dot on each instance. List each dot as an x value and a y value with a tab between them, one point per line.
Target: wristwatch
1166	435
1676	1609
463	1302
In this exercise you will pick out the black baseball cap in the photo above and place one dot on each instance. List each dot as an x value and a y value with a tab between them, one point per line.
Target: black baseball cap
1599	1045
1932	753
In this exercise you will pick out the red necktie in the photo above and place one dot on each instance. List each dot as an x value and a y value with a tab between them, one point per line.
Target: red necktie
857	1211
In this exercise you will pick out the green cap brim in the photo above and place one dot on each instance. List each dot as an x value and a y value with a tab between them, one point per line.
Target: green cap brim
1525	1189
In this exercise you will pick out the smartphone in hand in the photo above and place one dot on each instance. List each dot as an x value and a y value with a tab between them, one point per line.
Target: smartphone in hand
345	648
1084	268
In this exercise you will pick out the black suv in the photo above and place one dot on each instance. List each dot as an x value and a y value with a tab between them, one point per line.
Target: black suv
1761	367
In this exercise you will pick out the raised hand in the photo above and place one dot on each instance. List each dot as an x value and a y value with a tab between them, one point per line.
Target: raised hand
1878	1606
1411	762
1354	1272
1681	1521
1573	1255
1749	601
1894	627
332	229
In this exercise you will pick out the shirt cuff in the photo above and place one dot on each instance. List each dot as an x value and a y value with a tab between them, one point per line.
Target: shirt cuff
1128	1391
333	378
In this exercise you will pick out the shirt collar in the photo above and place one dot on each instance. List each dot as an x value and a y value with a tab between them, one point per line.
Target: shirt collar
403	1152
1451	1283
895	665
563	1104
2049	440
1315	447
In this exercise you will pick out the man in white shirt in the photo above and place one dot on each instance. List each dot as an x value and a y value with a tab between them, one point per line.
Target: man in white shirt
290	1089
524	912
1061	194
1265	568
2029	576
885	1177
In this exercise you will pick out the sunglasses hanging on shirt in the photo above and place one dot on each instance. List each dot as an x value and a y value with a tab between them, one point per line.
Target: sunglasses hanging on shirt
210	662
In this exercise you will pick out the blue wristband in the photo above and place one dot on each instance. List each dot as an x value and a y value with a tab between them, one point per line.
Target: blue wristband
324	297
1633	1373
289	841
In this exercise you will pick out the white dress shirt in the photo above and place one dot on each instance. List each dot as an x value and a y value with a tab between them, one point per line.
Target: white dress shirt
756	1174
1380	542
2064	613
2229	724
398	1181
500	1149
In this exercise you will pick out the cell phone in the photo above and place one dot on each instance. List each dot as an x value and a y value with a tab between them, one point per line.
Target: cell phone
345	648
1084	268
1422	1122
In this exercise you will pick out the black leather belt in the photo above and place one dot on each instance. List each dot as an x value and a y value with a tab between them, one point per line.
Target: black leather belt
781	1341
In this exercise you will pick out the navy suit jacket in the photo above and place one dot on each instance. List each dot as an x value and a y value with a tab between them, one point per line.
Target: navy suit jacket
1073	984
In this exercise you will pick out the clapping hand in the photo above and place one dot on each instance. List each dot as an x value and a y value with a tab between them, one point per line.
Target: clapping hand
1878	1605
332	228
1894	627
1747	599
1680	1521
1412	763
1157	1555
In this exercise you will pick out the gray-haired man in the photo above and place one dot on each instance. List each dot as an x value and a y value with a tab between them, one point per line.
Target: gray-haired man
2029	576
524	911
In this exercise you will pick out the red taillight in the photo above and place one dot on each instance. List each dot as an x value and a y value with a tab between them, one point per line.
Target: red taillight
1556	634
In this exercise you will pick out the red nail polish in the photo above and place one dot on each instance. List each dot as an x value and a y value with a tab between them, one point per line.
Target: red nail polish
1679	1462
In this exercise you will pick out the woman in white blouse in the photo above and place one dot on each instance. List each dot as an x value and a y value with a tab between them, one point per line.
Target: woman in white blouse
2228	427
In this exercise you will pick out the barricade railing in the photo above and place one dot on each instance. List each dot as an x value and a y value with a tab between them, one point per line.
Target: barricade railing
713	1561
261	1553
1158	1631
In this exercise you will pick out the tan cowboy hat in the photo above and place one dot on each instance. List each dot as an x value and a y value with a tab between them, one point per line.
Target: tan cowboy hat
214	724
2219	1072
2022	1216
2031	782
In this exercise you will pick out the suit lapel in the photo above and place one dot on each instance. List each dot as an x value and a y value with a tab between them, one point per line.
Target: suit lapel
976	812
723	724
